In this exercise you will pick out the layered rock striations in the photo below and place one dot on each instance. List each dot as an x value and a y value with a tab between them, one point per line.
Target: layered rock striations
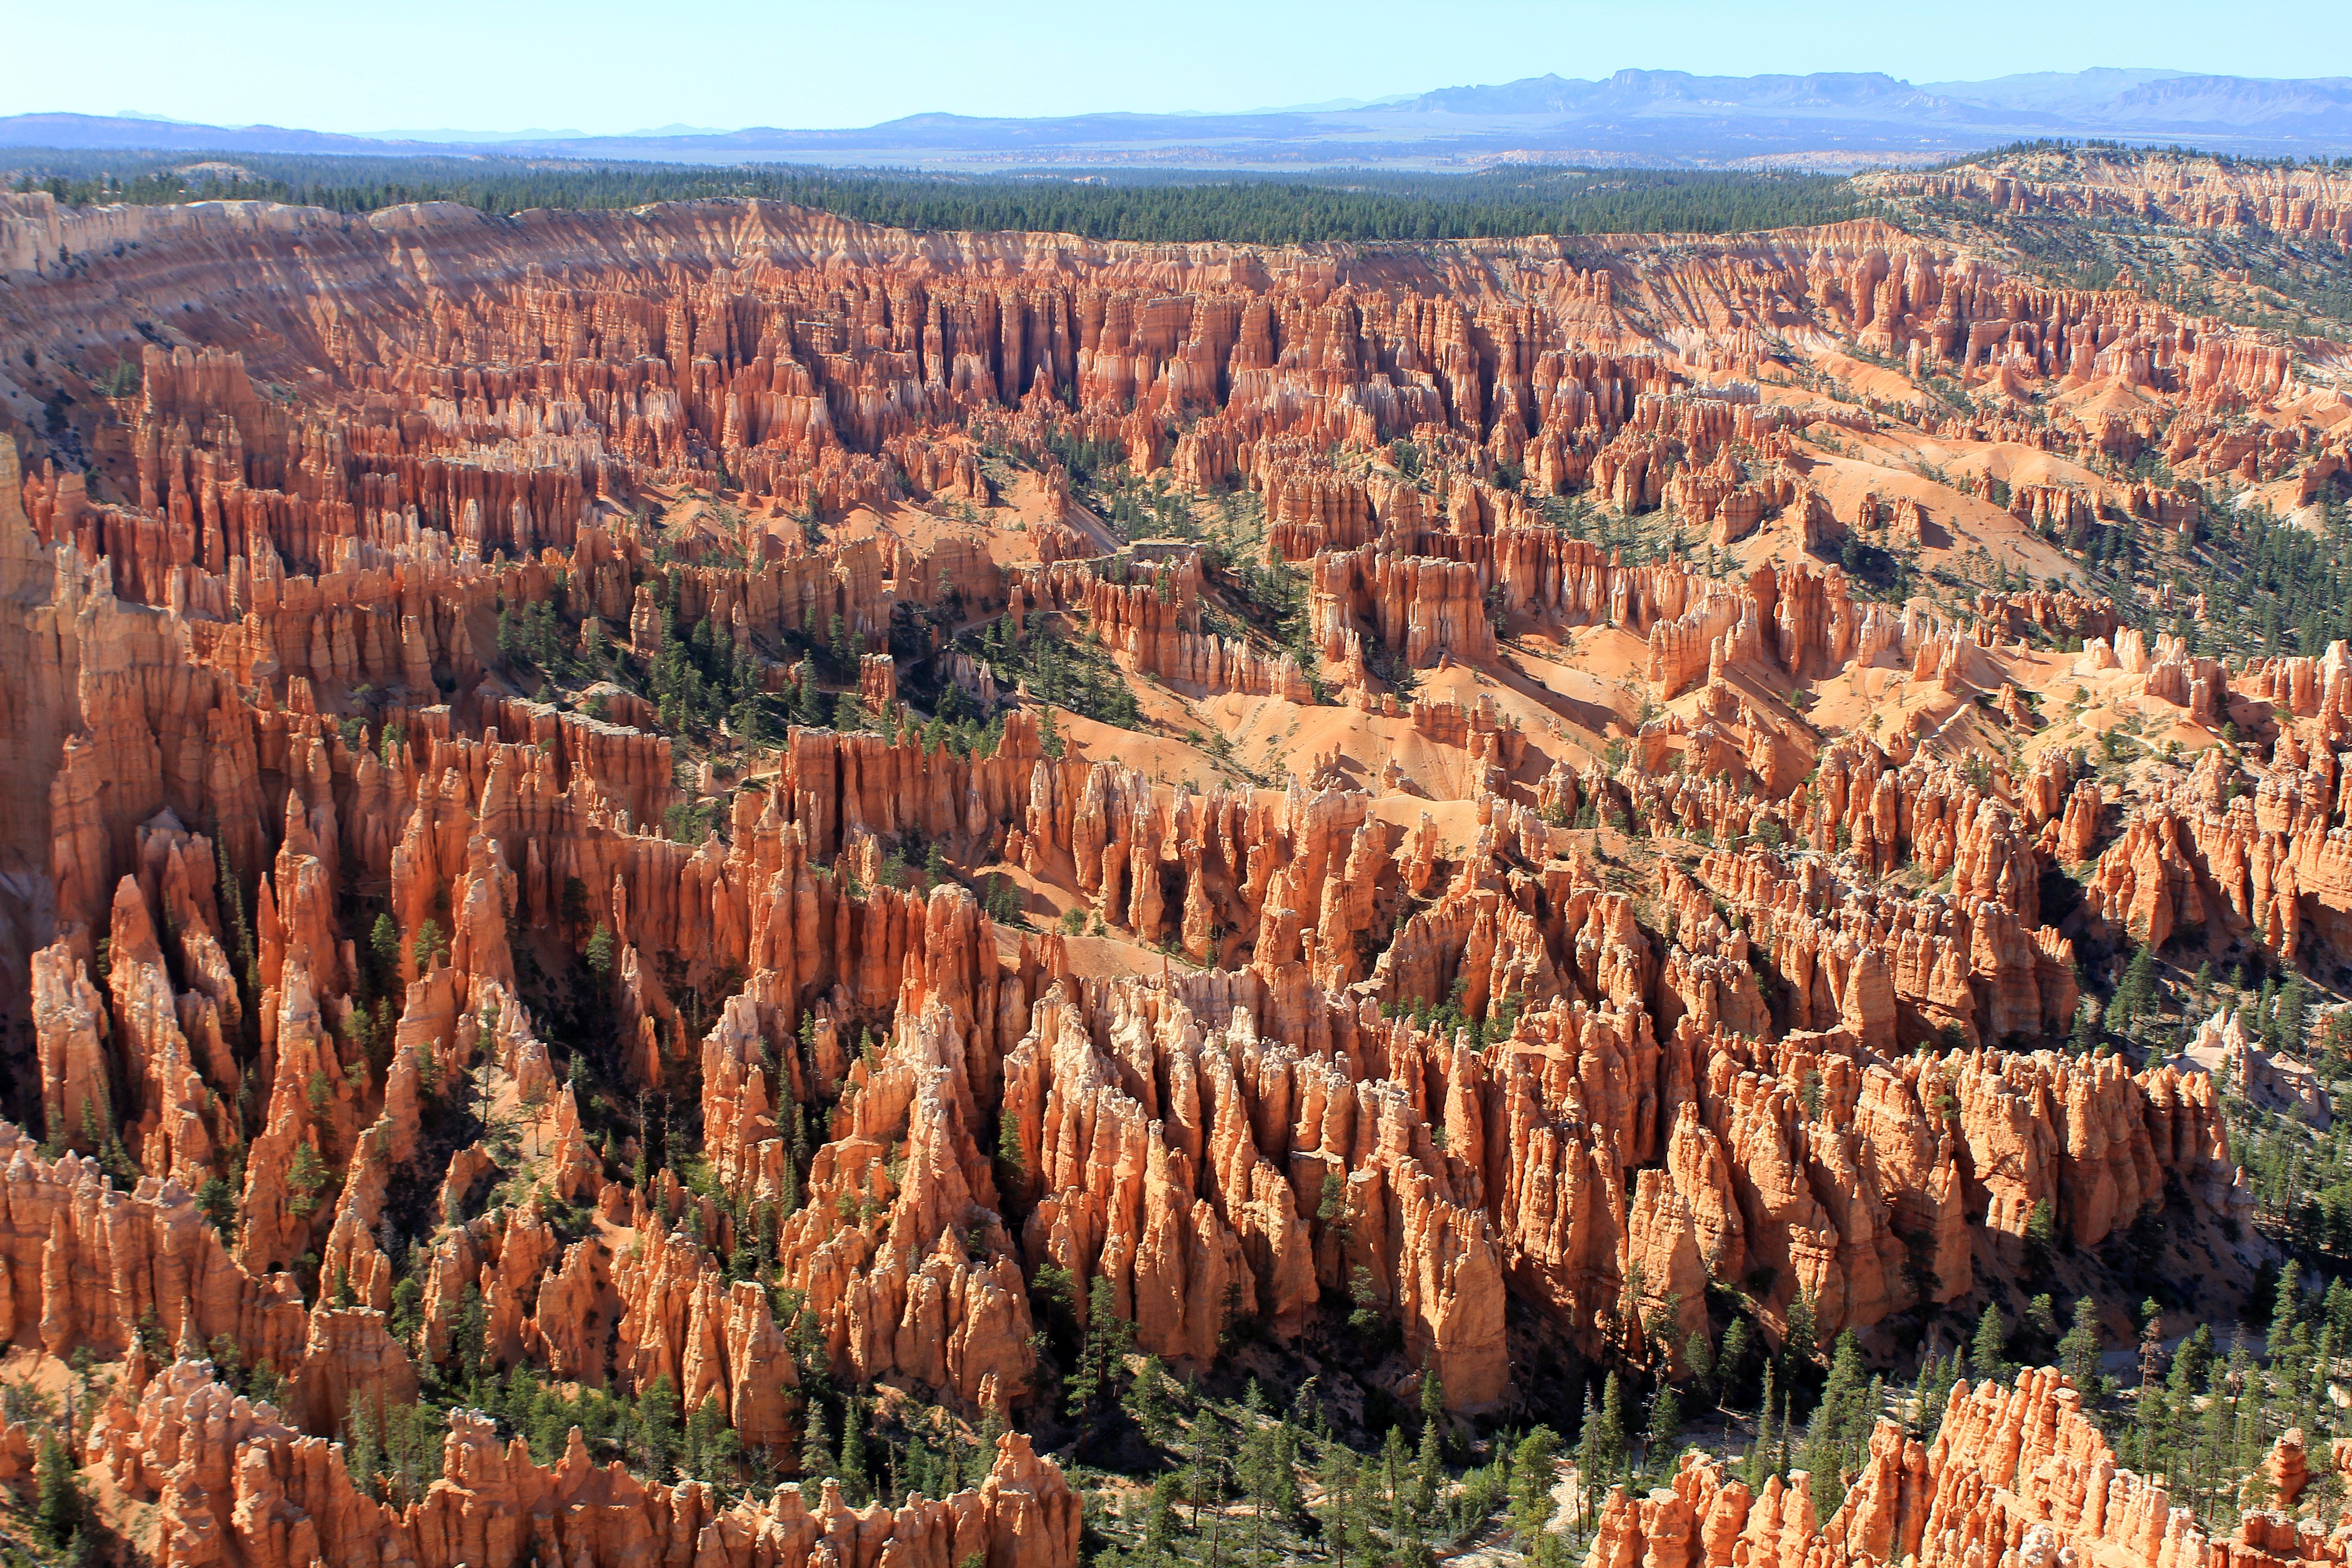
409	966
232	1482
2011	1471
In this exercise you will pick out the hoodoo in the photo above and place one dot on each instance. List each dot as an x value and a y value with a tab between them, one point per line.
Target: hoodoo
712	881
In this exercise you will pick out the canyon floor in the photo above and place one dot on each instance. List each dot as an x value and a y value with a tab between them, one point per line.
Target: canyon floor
710	881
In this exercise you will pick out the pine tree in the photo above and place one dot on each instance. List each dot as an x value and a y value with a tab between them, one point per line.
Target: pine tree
1731	1363
807	703
1840	1424
1160	1517
1532	1505
2151	1360
1987	1351
1700	1355
383	947
1934	1391
1148	1401
304	1177
1665	1427
711	1445
1014	1162
1433	1405
1797	1353
2078	1352
1208	1488
2286	1305
1608	1434
2293	1004
2041	1236
2137	994
658	1427
430	945
854	1482
1759	1455
1588	1448
1283	1496
844	653
1102	1351
1796	1346
1395	1469
59	1508
749	724
217	1201
1428	1470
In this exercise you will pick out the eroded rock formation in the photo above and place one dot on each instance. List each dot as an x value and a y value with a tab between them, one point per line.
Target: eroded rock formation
413	955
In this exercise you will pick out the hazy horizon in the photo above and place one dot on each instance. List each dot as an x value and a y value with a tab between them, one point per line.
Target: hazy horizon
595	68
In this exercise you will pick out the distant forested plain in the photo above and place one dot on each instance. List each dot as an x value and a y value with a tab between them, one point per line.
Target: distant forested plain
1165	205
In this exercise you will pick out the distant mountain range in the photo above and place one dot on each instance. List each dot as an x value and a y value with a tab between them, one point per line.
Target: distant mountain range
1654	118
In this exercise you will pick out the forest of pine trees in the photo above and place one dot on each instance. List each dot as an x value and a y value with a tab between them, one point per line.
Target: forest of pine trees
1151	205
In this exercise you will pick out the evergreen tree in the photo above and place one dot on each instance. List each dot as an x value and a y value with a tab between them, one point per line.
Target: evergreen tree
304	1177
1588	1447
1012	1164
1731	1363
748	722
470	1339
2286	1305
1700	1355
2137	994
1160	1516
1665	1427
1934	1391
218	1203
2293	1004
383	947
2078	1352
1532	1505
1101	1353
1760	1464
1797	1345
1606	1446
1430	1484
808	702
2041	1236
854	1484
1210	1453
1987	1351
658	1433
362	1445
59	1508
2085	1039
1148	1401
711	1444
1433	1405
1395	1469
1841	1425
1797	1353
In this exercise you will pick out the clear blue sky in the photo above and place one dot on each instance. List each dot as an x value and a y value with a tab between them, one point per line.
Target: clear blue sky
604	65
